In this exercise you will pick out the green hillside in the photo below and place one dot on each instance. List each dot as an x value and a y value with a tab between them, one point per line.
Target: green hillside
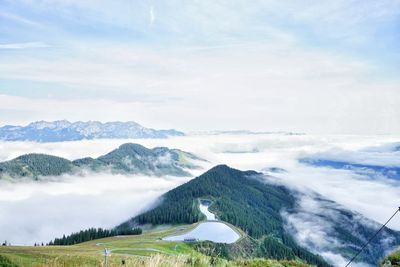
245	199
34	165
135	158
126	159
239	198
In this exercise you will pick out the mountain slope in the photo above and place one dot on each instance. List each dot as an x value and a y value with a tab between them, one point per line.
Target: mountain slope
56	131
135	158
127	159
33	165
239	198
248	201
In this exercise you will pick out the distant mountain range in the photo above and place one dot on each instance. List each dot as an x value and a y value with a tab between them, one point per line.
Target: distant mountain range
127	159
62	130
247	132
263	210
369	170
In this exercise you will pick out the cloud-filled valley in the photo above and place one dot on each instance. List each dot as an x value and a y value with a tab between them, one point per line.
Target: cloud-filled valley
36	212
39	212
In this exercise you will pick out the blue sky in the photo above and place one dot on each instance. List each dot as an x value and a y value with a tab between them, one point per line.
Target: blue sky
310	66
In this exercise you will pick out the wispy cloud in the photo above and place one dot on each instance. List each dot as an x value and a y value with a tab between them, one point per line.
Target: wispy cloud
152	16
313	224
20	19
27	45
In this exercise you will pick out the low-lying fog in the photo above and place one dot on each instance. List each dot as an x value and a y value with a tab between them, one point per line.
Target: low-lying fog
39	212
36	212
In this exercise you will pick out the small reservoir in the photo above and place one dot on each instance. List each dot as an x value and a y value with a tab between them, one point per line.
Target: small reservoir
211	230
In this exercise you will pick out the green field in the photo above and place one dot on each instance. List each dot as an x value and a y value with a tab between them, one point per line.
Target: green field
147	249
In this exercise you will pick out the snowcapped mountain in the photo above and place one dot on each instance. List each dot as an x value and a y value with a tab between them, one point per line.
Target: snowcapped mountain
62	130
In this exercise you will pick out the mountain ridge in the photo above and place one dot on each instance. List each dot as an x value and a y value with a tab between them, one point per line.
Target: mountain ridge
128	158
63	130
370	170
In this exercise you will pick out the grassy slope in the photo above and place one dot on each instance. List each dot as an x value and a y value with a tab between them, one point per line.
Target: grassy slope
144	250
393	258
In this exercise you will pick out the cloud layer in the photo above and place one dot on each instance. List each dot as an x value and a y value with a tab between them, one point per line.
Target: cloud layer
39	212
104	200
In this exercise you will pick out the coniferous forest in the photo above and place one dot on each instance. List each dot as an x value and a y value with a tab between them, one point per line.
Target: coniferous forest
239	198
248	201
92	234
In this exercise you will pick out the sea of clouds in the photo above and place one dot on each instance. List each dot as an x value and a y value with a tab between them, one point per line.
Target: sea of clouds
36	212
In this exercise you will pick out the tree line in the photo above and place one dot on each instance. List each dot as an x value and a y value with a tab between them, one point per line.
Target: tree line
92	234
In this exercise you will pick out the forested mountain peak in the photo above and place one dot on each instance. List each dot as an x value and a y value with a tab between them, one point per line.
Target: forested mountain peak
129	149
260	208
223	171
37	157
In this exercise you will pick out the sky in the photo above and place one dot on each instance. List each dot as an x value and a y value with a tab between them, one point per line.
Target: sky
305	66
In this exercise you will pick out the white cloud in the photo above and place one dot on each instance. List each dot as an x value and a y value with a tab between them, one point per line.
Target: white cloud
19	19
152	16
24	45
36	212
270	150
340	19
313	224
272	86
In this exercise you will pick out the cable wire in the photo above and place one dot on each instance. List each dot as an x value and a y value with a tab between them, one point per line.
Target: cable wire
369	241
